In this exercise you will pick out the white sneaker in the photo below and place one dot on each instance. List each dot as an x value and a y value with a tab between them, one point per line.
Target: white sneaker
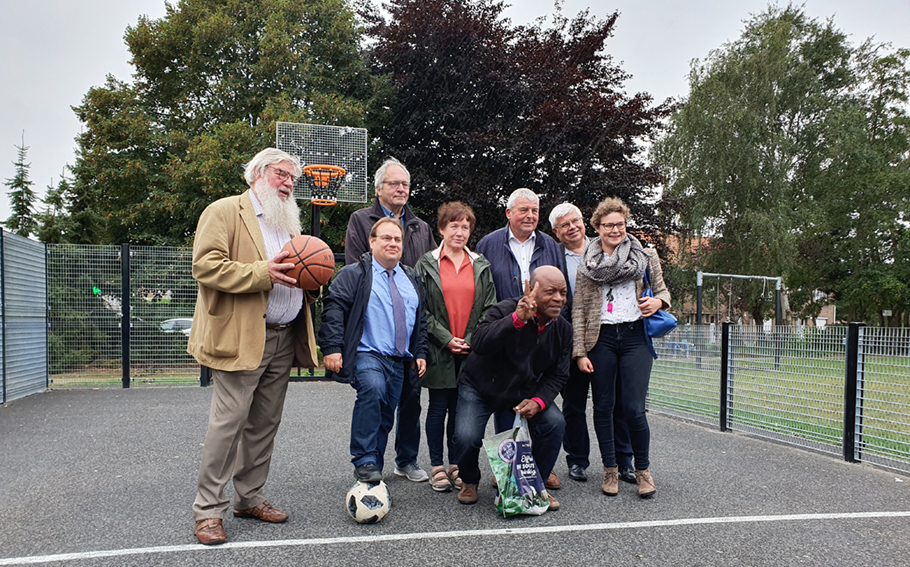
412	472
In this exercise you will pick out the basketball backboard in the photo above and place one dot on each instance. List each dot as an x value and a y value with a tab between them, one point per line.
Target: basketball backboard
339	146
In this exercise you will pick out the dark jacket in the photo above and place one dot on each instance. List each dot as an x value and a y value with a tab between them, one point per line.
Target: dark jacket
418	237
508	365
506	275
441	362
343	312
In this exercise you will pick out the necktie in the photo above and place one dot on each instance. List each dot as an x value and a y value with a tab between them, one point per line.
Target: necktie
401	322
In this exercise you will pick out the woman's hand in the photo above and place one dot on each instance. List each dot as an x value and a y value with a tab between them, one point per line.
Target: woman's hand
649	305
458	346
584	364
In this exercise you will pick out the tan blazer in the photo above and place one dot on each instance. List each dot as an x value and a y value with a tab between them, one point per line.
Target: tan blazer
588	302
231	267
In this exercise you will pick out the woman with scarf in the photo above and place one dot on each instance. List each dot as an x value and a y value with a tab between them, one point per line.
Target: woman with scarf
609	335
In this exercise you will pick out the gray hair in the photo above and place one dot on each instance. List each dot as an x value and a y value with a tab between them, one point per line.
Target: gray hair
526	193
265	158
380	173
562	210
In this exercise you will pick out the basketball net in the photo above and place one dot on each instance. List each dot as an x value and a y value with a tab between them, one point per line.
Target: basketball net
324	180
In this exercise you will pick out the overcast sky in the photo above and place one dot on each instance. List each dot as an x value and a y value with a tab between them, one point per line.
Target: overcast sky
53	51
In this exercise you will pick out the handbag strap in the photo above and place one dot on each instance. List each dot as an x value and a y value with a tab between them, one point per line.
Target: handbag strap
647	278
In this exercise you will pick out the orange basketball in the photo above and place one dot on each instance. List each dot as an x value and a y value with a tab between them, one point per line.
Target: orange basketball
314	262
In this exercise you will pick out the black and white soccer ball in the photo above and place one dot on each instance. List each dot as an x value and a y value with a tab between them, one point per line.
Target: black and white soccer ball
368	502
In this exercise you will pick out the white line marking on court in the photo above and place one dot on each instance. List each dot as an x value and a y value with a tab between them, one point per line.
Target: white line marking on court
441	535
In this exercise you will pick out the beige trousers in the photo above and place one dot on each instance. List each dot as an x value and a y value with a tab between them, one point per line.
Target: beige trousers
243	420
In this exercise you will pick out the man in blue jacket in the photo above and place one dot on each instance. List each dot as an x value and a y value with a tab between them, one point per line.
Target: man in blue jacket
518	248
373	337
392	182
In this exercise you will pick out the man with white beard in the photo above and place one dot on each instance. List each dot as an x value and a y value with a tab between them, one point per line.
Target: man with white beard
250	332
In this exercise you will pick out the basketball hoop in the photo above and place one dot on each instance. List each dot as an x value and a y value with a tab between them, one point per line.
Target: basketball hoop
324	183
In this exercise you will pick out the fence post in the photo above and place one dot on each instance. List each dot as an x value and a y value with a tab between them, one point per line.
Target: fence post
724	372
125	323
852	385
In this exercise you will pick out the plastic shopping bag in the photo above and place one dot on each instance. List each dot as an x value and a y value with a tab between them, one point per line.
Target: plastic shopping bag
521	490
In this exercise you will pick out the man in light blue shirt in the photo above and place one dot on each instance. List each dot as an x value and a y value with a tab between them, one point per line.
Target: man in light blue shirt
373	336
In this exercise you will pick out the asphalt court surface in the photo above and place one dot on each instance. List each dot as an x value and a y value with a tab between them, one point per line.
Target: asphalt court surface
107	477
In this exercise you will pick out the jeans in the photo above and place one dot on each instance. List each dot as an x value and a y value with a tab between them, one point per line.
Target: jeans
622	370
577	442
547	429
442	401
378	386
407	432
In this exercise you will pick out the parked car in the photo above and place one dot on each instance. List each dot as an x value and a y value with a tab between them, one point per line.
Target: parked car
179	325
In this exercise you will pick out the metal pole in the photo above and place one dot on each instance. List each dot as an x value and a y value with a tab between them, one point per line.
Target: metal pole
778	307
125	312
315	229
852	429
724	372
698	304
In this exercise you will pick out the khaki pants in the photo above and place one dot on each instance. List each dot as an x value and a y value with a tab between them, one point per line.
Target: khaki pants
243	420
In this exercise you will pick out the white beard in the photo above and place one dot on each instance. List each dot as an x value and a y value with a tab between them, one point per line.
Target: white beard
278	214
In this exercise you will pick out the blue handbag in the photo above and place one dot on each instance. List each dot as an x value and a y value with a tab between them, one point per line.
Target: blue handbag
660	323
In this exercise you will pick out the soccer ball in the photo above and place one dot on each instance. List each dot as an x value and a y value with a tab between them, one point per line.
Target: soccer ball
368	502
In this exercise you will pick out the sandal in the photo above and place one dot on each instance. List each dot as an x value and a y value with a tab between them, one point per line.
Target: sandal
453	476
440	480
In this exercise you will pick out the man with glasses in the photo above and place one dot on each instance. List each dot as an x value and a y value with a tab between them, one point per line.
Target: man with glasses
393	187
569	228
373	337
251	324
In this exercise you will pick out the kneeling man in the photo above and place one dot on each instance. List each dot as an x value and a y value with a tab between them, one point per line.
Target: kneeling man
519	361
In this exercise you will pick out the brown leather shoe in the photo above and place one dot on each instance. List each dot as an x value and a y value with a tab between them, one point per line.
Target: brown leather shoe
610	485
554	504
646	488
265	512
468	493
210	531
553	483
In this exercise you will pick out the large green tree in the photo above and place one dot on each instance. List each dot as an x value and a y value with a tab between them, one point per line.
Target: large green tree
212	79
484	107
774	157
21	196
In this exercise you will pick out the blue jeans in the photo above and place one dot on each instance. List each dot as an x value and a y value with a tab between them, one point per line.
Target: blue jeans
442	401
622	370
577	442
407	430
547	429
378	388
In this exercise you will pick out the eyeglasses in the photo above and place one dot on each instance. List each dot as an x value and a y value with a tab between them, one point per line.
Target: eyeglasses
386	239
577	221
609	226
397	184
284	175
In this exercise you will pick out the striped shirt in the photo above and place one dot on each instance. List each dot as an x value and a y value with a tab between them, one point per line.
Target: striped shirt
284	302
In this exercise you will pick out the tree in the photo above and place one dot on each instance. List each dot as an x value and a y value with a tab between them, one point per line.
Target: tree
212	79
21	196
774	149
55	223
483	108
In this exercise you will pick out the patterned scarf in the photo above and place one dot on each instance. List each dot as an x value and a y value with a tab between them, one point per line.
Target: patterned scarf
628	262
